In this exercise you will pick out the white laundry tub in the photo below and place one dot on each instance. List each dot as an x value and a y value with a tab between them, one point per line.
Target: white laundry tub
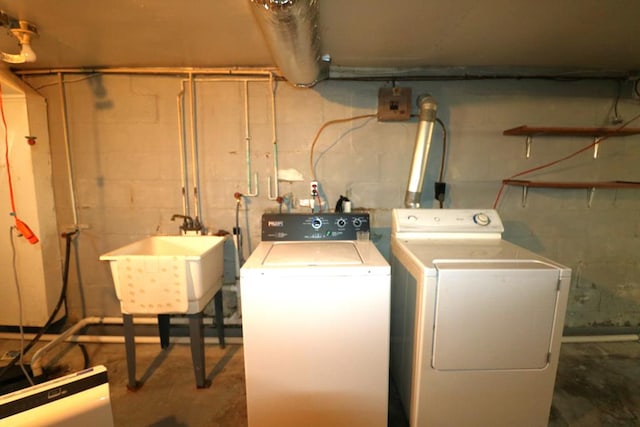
167	274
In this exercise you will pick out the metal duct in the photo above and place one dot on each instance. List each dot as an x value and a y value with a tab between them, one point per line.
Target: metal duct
290	28
428	108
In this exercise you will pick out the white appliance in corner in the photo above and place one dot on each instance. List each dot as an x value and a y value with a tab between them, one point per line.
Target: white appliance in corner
476	321
315	315
37	267
76	400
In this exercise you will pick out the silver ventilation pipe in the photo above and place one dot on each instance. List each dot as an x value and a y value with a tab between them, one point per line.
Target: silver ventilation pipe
428	108
290	28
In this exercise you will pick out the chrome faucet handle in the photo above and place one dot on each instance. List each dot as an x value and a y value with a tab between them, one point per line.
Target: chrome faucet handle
197	225
187	221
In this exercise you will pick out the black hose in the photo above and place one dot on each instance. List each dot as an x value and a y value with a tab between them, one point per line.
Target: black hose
85	355
238	232
61	300
444	149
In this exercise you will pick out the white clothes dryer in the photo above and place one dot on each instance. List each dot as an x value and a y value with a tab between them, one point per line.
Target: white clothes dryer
476	321
315	315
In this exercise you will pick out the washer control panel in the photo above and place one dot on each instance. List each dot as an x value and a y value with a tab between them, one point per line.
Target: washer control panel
433	221
320	226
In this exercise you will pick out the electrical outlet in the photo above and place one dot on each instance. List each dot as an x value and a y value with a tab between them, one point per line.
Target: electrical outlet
313	188
394	103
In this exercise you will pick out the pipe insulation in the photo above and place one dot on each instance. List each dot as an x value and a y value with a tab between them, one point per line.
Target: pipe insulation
427	120
290	28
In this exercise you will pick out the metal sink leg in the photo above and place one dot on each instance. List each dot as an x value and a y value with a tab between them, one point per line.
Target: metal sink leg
196	335
217	300
130	348
163	330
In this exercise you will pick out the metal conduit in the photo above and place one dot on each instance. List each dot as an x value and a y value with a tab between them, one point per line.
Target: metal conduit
251	192
274	196
194	150
67	147
249	72
184	179
252	188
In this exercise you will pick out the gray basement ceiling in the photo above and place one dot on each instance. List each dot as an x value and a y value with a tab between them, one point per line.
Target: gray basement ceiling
595	36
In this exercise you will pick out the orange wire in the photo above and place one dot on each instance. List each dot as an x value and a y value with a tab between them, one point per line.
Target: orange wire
330	122
555	162
6	155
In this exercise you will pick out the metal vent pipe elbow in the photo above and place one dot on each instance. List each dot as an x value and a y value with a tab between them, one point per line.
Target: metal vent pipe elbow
428	108
290	28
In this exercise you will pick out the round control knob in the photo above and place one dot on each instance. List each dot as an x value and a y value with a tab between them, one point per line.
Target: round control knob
341	222
357	222
316	223
482	219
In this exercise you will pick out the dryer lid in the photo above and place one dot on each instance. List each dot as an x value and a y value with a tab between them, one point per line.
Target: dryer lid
494	315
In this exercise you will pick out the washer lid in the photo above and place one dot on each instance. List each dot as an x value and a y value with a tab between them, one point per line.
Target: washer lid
283	254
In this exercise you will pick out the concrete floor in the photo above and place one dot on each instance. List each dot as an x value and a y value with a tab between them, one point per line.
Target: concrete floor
597	385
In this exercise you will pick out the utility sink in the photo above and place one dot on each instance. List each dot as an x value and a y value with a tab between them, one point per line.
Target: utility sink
167	274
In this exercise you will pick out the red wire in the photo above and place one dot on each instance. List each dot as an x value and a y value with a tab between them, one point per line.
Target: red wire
555	162
6	154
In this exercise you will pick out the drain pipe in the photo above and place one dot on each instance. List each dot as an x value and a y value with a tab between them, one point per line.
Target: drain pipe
71	335
194	150
67	148
184	179
428	108
251	191
272	85
252	187
600	338
193	135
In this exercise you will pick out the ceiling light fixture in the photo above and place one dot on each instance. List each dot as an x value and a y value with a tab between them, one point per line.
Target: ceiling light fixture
23	31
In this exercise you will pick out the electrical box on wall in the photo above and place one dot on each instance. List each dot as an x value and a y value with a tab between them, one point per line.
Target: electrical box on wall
394	103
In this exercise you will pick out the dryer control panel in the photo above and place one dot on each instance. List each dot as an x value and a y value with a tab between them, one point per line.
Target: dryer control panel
471	222
310	227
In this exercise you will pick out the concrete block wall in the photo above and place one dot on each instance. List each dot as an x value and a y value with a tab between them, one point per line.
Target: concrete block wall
123	132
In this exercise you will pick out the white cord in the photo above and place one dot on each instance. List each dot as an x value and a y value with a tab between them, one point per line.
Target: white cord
15	277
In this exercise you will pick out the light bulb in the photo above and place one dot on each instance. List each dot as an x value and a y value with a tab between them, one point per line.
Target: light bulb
28	53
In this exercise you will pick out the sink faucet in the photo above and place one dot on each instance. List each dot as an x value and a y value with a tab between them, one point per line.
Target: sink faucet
188	223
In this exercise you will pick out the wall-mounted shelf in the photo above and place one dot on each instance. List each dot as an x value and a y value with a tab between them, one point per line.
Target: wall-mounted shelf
591	186
595	133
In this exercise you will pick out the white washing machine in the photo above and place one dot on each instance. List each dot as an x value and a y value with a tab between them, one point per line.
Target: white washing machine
315	316
476	321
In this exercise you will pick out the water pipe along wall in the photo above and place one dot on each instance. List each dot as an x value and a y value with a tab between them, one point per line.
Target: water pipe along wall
124	139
